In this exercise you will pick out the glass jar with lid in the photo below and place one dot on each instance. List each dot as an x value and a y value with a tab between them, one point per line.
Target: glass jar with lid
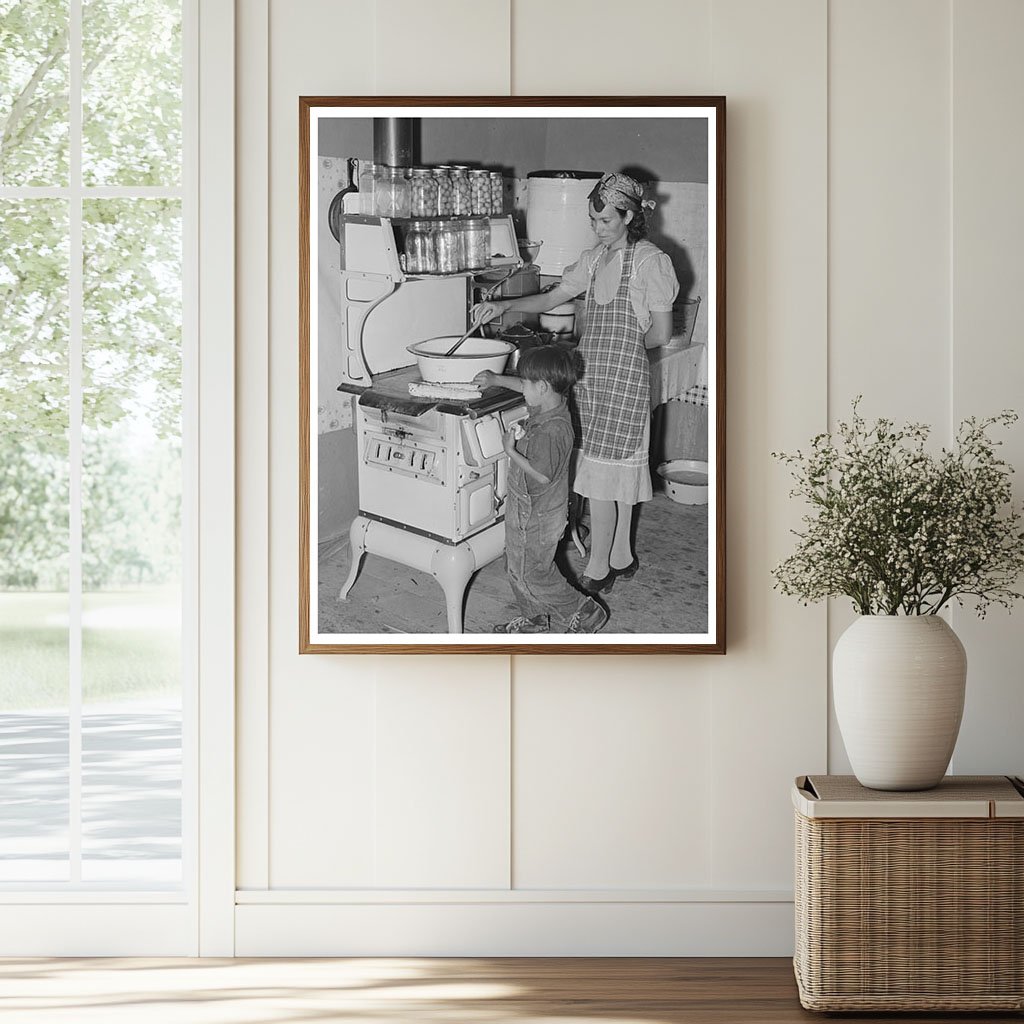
420	255
480	192
391	192
448	247
497	193
476	240
463	201
422	193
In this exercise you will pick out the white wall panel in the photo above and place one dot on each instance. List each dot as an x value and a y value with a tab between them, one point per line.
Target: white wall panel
987	365
325	733
583	47
612	784
323	779
442	770
315	820
769	692
889	209
442	47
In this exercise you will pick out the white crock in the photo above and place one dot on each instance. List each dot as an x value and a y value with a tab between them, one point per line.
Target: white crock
898	686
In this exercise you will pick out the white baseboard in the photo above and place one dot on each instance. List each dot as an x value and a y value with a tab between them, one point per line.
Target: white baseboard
98	928
514	928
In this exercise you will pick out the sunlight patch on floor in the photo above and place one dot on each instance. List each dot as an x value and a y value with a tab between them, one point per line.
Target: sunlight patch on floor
221	991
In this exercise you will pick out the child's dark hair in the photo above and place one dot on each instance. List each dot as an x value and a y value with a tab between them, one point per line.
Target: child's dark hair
550	363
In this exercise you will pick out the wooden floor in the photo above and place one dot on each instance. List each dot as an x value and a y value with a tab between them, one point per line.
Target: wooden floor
414	991
667	595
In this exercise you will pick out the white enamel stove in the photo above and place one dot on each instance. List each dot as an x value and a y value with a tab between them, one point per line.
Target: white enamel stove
432	483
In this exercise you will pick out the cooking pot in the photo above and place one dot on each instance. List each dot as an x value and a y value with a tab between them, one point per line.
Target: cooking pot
474	354
522	337
561	319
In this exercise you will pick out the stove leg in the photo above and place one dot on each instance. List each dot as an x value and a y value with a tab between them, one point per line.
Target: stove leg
357	537
452	567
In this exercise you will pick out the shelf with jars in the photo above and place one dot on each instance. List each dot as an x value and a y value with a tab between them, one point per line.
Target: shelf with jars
413	248
447	190
391	296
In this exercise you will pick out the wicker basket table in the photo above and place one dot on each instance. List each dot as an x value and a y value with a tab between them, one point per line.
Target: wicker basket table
910	901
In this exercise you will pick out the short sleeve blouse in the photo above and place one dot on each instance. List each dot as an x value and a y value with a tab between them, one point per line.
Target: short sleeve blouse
653	286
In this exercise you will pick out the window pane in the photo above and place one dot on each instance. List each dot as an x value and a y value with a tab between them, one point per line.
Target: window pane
131	92
33	92
33	540
131	541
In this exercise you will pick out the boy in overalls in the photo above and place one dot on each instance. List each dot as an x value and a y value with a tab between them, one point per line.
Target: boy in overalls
536	507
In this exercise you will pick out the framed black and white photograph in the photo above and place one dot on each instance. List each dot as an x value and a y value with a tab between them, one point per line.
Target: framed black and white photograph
512	386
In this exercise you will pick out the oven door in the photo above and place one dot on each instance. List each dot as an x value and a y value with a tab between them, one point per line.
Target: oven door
478	504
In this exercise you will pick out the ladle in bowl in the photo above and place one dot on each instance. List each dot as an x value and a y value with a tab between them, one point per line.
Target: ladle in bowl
472	327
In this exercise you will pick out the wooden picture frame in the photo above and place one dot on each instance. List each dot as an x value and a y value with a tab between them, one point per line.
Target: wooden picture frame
401	496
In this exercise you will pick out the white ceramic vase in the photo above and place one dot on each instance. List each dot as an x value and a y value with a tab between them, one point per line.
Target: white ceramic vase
898	684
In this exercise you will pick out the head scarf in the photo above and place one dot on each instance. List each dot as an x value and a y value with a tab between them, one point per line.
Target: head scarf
622	192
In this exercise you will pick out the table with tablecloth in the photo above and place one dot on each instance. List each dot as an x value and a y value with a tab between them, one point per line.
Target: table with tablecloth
679	400
679	374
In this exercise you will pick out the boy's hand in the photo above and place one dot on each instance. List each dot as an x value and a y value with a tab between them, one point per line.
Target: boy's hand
508	439
485	379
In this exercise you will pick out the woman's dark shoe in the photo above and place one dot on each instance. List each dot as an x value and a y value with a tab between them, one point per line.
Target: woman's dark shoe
591	586
628	572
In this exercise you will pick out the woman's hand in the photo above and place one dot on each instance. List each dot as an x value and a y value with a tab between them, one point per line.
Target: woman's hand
485	312
485	379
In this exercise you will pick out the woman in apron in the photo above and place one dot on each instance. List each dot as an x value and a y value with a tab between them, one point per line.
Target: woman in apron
629	286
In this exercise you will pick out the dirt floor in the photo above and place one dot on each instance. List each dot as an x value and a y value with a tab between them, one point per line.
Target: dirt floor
667	595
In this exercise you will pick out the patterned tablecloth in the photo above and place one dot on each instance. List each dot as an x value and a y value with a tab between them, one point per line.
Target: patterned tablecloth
679	373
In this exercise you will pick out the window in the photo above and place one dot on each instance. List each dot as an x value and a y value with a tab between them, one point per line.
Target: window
95	457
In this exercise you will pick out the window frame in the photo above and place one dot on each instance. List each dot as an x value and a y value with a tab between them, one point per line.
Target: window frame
69	918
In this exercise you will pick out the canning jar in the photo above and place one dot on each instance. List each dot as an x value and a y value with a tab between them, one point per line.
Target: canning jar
497	193
480	192
448	247
476	236
367	178
420	257
391	193
445	191
422	193
463	202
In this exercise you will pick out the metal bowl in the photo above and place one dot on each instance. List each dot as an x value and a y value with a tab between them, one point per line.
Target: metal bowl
686	481
528	250
474	354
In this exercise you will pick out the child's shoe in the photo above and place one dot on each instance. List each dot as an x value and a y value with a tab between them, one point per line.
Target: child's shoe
522	624
588	618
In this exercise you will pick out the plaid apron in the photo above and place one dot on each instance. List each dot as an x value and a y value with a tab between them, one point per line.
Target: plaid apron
614	393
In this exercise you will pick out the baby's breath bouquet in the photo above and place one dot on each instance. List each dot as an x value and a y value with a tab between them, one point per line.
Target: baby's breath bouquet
900	530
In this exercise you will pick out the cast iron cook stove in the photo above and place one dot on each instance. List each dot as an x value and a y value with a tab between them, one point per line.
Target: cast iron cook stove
432	481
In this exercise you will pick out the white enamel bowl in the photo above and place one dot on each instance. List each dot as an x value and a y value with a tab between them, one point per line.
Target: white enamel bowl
686	481
473	355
